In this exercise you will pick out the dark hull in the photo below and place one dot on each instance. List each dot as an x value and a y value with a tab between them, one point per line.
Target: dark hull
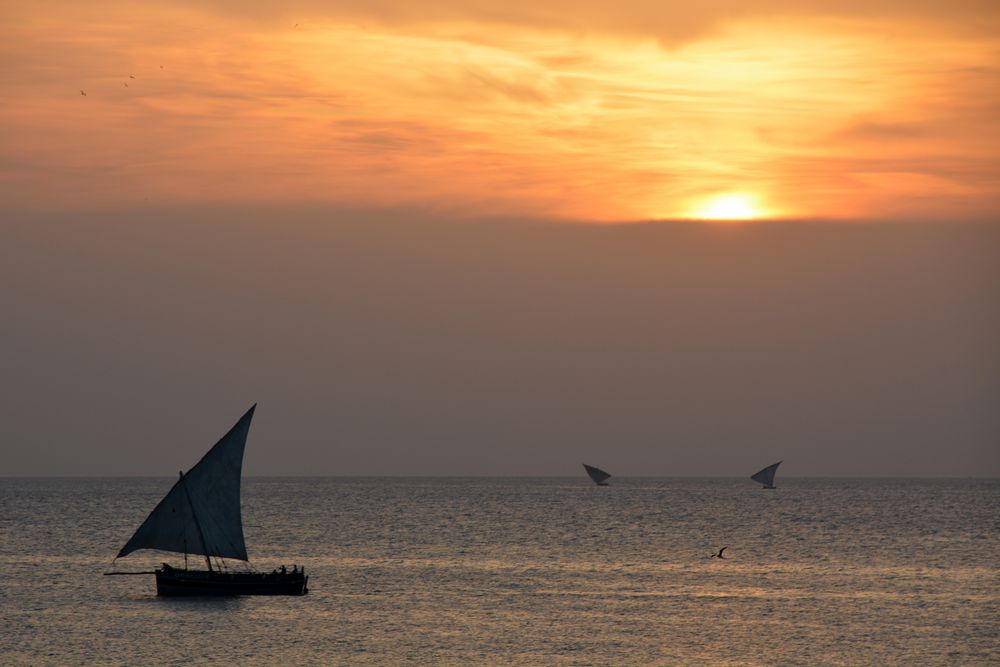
173	583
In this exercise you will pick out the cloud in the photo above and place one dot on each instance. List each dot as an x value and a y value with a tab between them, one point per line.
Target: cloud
482	108
670	23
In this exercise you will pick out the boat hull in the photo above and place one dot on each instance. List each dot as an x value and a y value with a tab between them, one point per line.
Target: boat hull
181	583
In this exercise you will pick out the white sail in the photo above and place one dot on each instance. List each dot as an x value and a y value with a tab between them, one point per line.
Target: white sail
201	513
766	476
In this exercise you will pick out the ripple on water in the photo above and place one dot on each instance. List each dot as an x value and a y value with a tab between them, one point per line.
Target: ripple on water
517	571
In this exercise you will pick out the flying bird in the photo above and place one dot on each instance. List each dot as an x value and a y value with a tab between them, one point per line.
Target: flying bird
719	555
125	84
131	76
83	93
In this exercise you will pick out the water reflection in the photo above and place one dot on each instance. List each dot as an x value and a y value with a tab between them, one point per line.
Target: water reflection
515	571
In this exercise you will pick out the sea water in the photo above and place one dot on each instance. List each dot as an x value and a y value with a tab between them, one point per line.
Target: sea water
523	572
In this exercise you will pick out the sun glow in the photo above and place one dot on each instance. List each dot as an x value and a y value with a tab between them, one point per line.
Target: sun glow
500	111
733	206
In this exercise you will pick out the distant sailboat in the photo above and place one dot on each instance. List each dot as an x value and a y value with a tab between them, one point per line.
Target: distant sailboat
201	515
766	476
599	476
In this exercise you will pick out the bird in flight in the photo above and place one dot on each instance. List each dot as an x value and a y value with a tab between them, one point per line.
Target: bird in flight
125	84
131	76
83	93
719	555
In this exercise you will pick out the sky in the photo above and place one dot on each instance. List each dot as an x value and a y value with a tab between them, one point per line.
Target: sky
488	237
583	110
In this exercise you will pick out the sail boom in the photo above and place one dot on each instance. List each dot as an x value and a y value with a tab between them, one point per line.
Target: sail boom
190	552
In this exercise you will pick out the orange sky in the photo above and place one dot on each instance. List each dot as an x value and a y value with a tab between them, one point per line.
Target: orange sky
585	110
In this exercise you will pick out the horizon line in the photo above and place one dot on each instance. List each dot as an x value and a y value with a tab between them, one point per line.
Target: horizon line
474	476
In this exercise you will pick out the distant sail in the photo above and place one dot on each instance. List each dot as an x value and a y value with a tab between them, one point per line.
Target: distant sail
766	476
201	513
596	474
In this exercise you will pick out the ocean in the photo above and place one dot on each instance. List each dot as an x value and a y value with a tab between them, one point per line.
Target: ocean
522	571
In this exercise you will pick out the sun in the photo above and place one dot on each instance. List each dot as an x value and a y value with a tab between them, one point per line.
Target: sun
732	206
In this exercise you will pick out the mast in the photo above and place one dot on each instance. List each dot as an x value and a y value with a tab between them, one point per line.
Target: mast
204	545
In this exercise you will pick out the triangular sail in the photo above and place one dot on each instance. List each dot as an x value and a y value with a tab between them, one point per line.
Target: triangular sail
201	513
596	474
766	476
